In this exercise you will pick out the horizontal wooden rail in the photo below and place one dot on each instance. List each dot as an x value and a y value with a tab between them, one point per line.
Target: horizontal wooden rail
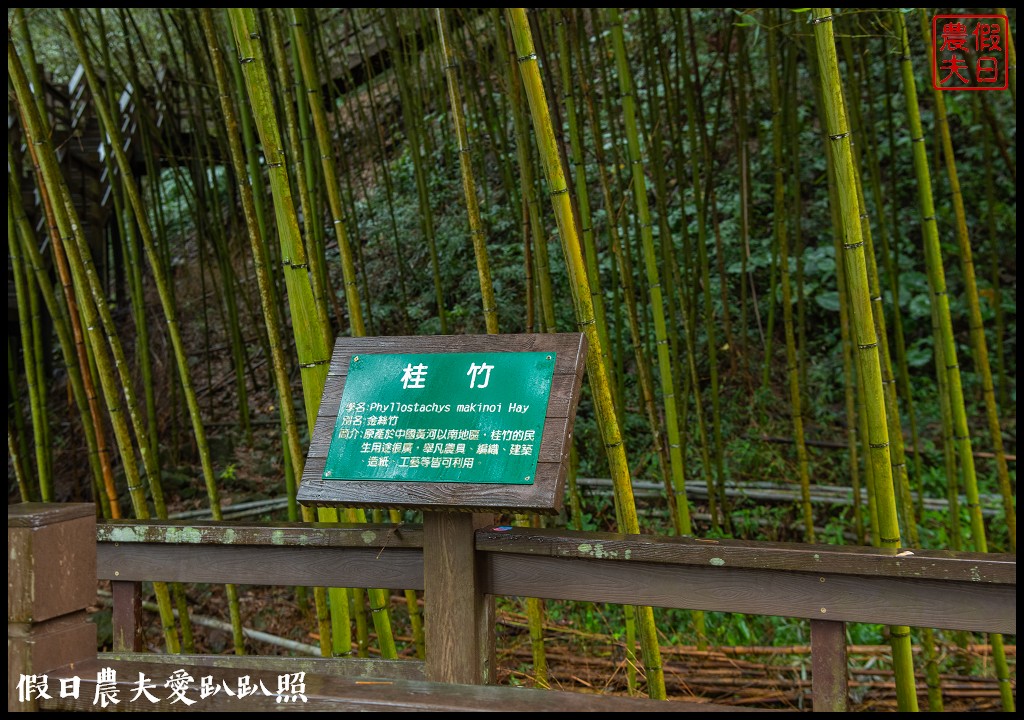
48	632
955	591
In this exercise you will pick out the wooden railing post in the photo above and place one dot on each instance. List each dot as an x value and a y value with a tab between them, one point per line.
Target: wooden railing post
459	617
51	580
127	616
828	666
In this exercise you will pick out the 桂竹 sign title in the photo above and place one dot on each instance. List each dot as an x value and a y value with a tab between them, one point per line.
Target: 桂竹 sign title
479	423
441	417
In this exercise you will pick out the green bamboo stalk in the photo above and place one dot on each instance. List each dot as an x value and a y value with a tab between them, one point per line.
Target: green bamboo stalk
299	150
781	233
14	452
427	224
904	500
680	518
739	96
314	170
40	357
855	268
528	281
600	385
92	302
772	299
151	461
208	205
350	166
977	329
20	24
496	110
29	304
330	178
78	372
995	267
849	373
793	125
589	70
890	262
673	278
412	121
133	255
955	528
357	610
21	239
541	268
528	190
474	112
18	433
302	139
701	197
708	149
954	525
940	299
655	57
255	173
307	324
651	266
138	305
145	233
309	327
293	444
389	193
36	396
476	227
856	424
195	204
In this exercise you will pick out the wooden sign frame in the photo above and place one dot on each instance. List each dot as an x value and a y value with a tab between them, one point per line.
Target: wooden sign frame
545	495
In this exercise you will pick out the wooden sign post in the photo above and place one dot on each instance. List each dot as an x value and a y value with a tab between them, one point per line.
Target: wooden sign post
459	427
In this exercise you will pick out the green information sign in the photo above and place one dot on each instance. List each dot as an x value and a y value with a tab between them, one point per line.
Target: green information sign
441	417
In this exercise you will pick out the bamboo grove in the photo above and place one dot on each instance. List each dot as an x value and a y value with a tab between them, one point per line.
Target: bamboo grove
790	254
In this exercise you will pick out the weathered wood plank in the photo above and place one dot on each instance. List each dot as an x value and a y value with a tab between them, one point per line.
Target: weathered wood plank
247	565
36	514
341	694
50	560
459	622
283	534
828	666
850	598
127	616
335	666
51	566
979	568
965	574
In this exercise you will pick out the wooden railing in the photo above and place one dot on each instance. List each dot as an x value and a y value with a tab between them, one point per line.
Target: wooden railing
828	585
